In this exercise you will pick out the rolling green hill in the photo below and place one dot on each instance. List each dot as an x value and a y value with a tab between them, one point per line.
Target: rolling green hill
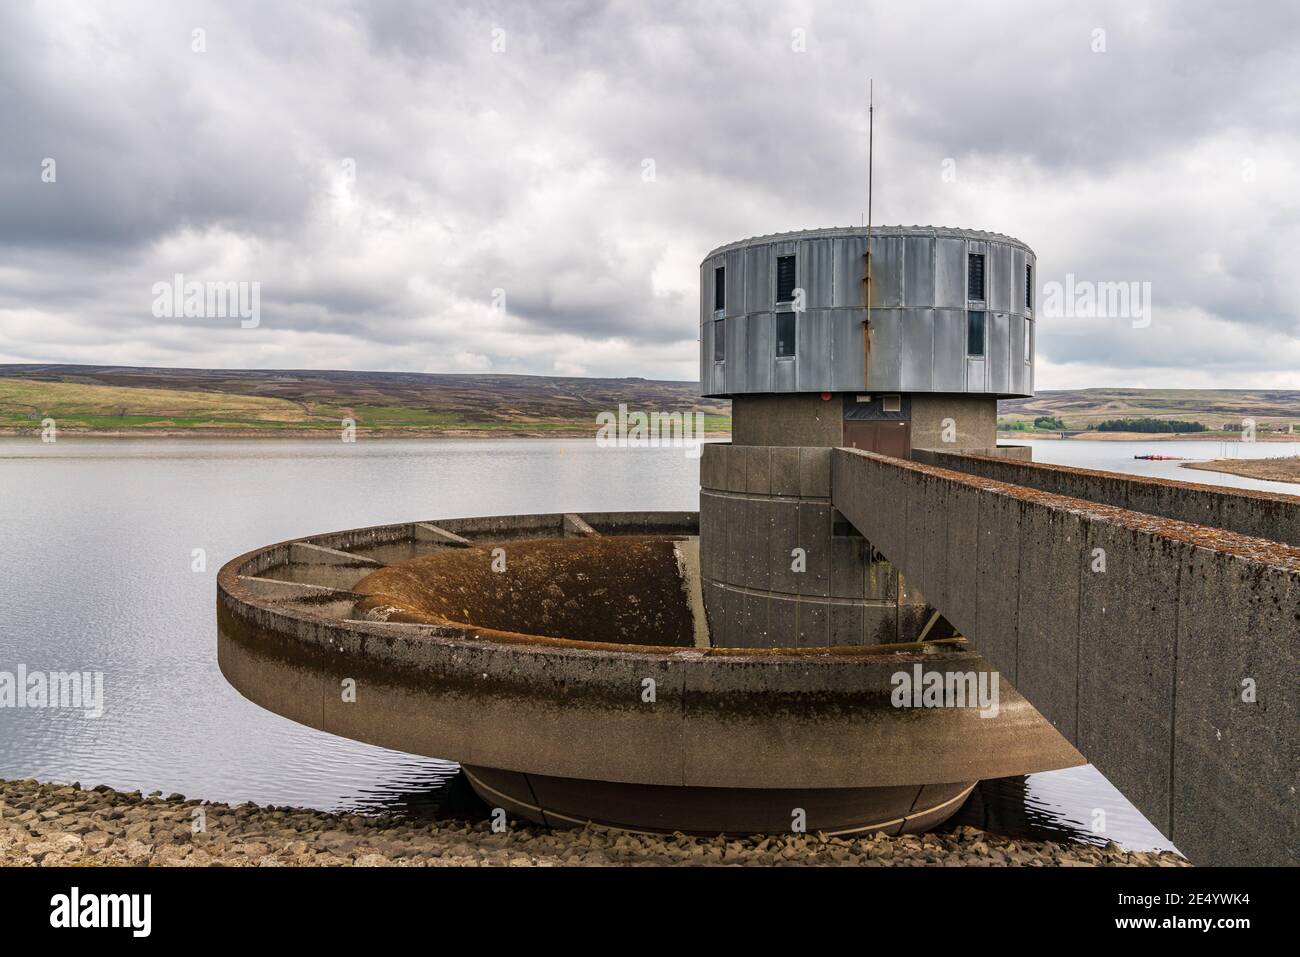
1220	410
127	400
133	400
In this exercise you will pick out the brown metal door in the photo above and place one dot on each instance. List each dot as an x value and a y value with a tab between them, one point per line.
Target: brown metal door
860	435
886	437
894	438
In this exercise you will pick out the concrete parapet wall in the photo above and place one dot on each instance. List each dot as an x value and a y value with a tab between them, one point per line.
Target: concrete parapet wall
1269	515
1018	453
1165	651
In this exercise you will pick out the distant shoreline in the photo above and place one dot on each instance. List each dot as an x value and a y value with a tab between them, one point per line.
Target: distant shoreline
1095	436
1285	470
562	433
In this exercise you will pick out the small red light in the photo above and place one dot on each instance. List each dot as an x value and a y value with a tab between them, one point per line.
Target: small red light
826	396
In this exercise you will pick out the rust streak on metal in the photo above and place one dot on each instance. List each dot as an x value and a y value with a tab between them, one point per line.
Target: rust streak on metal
866	323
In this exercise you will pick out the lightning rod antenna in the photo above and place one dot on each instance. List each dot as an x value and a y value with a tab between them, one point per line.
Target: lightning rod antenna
871	123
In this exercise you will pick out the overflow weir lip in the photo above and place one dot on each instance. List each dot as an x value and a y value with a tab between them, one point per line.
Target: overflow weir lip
665	737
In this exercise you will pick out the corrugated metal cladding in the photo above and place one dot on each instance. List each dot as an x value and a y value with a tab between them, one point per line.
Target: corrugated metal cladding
919	309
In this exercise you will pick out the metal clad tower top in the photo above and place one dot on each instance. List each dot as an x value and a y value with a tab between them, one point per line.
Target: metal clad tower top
952	311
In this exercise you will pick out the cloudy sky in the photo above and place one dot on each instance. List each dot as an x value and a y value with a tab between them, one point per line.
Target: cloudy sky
394	172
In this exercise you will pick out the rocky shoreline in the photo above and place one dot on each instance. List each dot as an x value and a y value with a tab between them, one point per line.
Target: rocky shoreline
62	825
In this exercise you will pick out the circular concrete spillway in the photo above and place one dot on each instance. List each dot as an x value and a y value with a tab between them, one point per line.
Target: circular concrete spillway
564	661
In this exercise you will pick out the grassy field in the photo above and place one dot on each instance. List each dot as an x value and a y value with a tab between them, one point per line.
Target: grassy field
124	400
1222	411
115	400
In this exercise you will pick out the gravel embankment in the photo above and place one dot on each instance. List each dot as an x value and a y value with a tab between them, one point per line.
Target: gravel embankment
52	824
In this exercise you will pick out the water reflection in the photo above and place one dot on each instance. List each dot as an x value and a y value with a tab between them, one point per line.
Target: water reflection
1075	804
423	796
1118	457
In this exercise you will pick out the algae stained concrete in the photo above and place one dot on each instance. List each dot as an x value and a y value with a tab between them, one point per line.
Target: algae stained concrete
1271	515
1166	651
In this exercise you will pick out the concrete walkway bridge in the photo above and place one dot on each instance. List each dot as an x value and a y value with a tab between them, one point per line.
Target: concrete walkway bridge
1156	624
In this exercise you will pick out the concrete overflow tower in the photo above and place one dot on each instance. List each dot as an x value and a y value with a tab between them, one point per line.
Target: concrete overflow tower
575	684
814	355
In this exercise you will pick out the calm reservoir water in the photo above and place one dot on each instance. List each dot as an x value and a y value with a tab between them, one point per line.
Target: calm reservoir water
1118	457
96	556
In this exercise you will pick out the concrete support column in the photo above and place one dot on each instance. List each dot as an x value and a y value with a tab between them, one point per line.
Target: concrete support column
781	567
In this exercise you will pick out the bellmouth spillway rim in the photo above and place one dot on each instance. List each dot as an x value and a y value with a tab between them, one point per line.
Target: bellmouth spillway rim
235	592
795	718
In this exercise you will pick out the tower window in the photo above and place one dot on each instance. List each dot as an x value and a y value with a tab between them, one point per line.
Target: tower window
975	332
785	279
1029	286
719	340
975	277
1029	341
720	288
785	330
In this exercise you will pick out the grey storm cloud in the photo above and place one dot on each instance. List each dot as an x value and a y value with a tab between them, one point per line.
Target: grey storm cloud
530	187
